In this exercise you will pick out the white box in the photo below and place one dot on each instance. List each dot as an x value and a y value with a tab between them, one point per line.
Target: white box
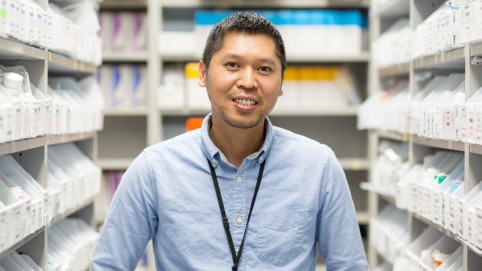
178	43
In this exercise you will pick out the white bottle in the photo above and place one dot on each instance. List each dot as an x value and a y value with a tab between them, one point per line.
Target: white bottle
11	87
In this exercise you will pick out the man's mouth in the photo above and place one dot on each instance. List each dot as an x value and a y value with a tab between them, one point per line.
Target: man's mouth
245	102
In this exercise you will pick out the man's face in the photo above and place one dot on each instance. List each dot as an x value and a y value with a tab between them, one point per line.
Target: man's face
244	79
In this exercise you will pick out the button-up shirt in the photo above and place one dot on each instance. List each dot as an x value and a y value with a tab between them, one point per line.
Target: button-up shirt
167	196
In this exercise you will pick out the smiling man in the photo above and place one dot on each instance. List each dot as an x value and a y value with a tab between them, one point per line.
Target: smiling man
239	193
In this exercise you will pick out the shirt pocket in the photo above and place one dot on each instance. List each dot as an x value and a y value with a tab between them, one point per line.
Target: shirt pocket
280	236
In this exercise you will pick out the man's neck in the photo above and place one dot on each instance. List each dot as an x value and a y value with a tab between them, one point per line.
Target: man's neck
237	143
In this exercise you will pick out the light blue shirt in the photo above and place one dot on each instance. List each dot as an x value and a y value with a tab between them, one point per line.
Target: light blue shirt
167	195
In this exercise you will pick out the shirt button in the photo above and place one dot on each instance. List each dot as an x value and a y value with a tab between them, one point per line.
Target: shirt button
239	220
239	179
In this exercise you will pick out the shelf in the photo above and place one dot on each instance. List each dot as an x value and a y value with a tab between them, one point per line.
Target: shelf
60	63
180	57
393	9
123	5
125	57
58	139
265	4
113	164
329	112
125	112
395	70
354	163
476	49
71	211
362	217
454	59
384	257
21	242
439	143
437	227
477	149
362	57
15	50
22	145
472	247
380	192
32	143
405	137
388	198
184	112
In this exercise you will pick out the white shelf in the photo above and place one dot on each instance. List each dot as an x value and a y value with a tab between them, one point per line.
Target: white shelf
32	143
58	139
395	70
125	57
321	112
362	57
362	217
379	191
14	50
71	211
24	144
125	112
473	248
394	135
180	57
123	5
354	164
60	63
264	4
476	149
454	59
389	198
114	164
22	242
476	49
393	9
439	143
437	227
184	112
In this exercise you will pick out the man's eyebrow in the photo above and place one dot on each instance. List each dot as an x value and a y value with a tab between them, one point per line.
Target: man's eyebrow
261	60
268	60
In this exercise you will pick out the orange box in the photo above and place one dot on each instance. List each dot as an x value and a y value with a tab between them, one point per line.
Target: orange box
193	123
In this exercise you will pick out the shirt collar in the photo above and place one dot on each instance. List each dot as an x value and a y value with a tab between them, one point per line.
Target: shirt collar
214	154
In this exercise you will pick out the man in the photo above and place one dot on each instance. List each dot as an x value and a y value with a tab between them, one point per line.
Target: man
239	193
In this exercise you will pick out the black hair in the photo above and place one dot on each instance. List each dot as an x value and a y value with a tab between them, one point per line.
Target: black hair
243	22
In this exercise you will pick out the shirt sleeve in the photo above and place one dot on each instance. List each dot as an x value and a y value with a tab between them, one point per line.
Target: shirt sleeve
339	238
130	222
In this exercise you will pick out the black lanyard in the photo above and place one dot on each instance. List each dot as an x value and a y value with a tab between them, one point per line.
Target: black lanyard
236	257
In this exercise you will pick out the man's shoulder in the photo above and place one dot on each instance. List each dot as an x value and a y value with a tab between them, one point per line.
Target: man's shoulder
182	142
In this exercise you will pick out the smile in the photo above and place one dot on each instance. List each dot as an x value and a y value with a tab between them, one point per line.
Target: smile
245	102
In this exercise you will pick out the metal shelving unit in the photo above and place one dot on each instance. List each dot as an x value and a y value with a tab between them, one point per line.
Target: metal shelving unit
455	60
32	152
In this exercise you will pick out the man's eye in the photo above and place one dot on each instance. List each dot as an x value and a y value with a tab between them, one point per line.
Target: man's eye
231	65
265	69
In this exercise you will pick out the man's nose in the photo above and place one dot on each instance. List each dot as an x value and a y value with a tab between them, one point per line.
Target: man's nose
247	79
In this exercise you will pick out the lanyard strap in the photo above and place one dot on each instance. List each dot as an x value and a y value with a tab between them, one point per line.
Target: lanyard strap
236	256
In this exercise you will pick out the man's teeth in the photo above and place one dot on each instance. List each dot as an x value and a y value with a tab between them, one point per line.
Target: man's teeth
245	102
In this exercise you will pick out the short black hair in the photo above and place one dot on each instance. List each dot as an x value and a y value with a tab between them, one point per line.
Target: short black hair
243	22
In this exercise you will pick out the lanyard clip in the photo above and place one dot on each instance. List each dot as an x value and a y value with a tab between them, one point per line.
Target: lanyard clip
226	223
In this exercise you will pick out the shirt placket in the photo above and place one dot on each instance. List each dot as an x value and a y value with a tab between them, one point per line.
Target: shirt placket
239	214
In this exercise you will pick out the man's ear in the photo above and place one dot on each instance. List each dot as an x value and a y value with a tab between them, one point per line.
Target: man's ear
202	74
280	92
